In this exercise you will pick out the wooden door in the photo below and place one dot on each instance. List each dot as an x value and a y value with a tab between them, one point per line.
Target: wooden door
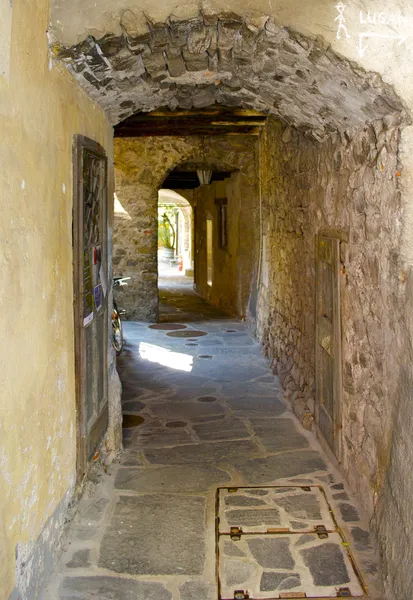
90	297
328	341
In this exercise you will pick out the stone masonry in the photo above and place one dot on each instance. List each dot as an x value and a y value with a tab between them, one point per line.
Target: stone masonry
228	60
141	165
346	187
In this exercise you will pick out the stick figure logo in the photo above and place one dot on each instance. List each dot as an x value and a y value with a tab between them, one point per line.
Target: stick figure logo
342	29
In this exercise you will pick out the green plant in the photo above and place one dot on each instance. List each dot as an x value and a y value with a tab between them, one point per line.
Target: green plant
166	232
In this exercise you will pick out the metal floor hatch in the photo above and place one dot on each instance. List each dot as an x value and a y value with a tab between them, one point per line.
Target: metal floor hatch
281	542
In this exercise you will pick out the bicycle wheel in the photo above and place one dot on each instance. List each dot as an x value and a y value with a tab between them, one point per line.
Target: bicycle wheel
117	333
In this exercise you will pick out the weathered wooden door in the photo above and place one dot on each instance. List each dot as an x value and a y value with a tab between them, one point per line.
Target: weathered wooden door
328	341
90	296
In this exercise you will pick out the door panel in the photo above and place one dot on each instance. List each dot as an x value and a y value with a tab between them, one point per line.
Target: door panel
90	295
328	341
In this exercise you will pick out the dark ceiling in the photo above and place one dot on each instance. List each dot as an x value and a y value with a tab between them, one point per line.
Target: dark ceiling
216	120
188	180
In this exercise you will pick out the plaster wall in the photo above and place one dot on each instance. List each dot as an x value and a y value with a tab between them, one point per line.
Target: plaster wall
184	236
234	267
351	187
40	110
141	165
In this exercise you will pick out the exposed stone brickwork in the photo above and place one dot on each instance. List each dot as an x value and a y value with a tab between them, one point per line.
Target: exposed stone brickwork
228	60
141	165
346	187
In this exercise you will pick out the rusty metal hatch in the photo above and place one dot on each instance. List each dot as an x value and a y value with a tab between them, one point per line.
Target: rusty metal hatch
282	542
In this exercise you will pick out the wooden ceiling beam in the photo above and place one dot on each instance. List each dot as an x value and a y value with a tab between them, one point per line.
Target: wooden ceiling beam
219	121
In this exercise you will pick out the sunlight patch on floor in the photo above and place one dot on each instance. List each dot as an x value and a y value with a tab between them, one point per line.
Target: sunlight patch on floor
165	357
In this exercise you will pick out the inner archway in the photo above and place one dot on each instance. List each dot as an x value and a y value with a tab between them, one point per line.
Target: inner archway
175	238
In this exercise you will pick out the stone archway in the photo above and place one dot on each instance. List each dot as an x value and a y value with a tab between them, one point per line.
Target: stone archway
141	166
180	213
230	60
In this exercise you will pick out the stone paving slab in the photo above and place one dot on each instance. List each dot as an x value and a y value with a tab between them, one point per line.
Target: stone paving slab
184	394
111	588
259	471
222	430
272	563
198	590
256	406
254	388
279	434
186	478
287	507
164	437
189	410
203	453
221	373
155	535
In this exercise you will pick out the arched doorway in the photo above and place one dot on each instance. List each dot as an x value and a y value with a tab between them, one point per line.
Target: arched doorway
175	238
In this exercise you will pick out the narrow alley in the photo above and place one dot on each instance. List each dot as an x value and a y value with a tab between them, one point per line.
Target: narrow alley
232	182
204	418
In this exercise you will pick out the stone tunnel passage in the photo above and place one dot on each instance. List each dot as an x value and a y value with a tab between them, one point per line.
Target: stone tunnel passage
327	163
286	190
211	414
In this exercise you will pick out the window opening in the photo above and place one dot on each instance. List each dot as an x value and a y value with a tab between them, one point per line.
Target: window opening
222	222
209	252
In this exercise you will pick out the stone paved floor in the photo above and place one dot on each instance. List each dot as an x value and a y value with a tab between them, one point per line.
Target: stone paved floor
200	413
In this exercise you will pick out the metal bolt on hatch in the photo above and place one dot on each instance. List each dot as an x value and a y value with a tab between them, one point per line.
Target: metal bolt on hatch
321	531
344	593
235	533
241	595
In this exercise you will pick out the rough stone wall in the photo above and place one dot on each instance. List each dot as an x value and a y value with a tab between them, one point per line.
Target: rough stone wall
346	187
394	517
141	165
234	267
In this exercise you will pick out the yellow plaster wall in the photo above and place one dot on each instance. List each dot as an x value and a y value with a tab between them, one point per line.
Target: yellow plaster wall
40	110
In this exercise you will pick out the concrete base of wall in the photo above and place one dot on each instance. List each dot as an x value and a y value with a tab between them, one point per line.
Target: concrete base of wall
113	438
36	560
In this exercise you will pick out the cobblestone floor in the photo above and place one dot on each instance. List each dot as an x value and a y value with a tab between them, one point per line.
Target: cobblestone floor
204	412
